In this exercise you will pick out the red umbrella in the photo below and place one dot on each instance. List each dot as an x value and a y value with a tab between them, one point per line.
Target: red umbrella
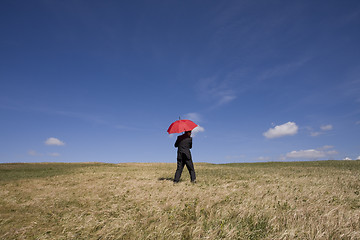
182	125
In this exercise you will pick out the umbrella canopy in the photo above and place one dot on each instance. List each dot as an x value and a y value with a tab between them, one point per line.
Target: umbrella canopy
182	125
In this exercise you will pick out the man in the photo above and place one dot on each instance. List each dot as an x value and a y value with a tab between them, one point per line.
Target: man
184	144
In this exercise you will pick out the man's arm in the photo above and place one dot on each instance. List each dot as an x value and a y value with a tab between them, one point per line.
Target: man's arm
177	142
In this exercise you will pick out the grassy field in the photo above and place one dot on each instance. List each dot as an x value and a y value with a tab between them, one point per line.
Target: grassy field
298	200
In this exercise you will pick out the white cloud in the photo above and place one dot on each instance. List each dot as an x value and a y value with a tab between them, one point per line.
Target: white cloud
347	158
358	158
326	127
54	154
286	129
310	154
323	129
196	130
195	117
54	141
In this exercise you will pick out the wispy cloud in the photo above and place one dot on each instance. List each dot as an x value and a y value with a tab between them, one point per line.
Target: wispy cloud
54	141
315	134
286	129
283	69
218	91
323	129
23	107
261	158
311	153
326	147
226	98
55	154
326	127
195	117
34	153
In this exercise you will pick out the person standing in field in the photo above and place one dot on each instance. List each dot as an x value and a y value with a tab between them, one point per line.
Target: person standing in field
184	144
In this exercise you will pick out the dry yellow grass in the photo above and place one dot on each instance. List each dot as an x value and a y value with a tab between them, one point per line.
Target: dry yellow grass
305	200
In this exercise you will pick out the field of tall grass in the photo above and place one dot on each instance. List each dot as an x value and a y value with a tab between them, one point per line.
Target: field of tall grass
297	200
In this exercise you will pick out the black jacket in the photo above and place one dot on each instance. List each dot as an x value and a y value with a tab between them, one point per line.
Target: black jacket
184	144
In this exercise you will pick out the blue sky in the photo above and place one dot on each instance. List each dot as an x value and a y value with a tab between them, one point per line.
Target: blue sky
84	81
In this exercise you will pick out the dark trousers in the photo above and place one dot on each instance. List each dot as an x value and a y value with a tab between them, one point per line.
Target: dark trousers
180	166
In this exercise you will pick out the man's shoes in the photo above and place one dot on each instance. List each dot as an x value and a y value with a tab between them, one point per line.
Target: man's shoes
193	182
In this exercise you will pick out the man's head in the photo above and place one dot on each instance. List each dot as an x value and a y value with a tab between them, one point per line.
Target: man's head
188	133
